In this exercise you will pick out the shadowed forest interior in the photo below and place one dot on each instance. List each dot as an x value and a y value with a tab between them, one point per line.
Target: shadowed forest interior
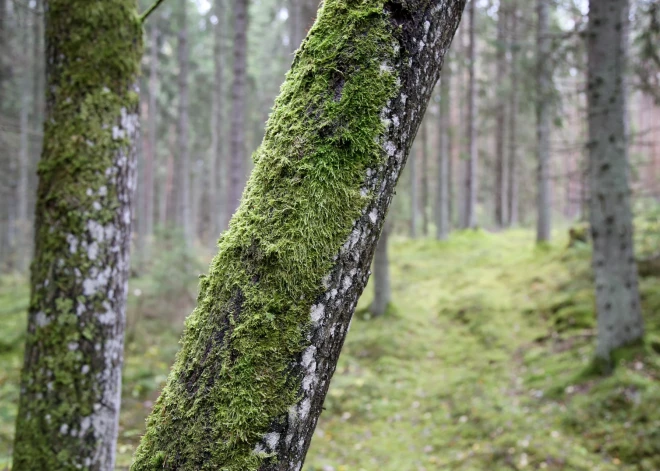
488	172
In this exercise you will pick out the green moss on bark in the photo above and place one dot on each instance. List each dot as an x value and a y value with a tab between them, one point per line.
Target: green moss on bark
79	269
233	377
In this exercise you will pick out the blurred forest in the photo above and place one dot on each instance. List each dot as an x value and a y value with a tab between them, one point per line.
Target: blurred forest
480	357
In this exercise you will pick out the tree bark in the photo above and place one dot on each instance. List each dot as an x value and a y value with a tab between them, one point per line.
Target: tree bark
471	182
501	215
382	289
71	379
512	186
261	346
414	205
237	160
183	174
543	84
444	157
617	294
217	208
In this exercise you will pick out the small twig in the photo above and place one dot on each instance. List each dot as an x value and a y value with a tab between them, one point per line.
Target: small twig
150	10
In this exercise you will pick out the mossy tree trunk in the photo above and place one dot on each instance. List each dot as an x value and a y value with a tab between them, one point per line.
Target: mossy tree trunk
615	270
71	379
260	349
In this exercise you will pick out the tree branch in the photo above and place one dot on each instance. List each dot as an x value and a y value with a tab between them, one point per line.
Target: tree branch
150	10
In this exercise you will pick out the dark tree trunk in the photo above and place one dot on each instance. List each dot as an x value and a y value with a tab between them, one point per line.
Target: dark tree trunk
260	349
617	294
543	84
237	159
382	289
71	379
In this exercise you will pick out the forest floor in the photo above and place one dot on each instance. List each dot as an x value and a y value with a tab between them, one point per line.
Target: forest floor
483	363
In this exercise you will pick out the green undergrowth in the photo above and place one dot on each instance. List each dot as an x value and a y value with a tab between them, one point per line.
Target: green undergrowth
484	362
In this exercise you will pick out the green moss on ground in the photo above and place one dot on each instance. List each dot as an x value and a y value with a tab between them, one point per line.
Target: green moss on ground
471	373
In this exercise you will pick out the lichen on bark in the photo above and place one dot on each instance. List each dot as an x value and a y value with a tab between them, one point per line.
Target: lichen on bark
71	377
260	348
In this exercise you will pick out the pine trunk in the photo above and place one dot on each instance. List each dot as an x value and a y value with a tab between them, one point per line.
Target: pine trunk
261	346
617	294
183	174
444	157
501	215
382	289
237	158
543	84
71	379
471	181
512	187
425	180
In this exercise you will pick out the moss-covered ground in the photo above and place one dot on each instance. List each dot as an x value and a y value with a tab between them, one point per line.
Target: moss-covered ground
483	364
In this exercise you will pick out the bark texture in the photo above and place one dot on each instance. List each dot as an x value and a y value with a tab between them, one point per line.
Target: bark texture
261	347
71	379
237	159
543	84
617	295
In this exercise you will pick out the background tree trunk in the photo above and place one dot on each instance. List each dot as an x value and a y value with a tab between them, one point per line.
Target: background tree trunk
382	288
543	84
513	112
501	215
424	177
444	157
71	379
183	173
471	182
237	160
617	294
260	348
414	205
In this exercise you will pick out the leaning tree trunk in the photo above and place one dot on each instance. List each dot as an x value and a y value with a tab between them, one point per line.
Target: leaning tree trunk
543	83
261	346
617	294
471	181
237	158
71	379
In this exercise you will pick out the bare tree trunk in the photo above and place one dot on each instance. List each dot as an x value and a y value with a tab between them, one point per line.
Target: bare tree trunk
261	347
414	205
183	174
501	215
382	288
237	160
444	157
146	223
543	84
471	182
22	197
71	379
216	170
617	295
513	112
424	178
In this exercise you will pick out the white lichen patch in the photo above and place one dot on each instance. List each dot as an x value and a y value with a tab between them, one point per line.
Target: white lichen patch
316	313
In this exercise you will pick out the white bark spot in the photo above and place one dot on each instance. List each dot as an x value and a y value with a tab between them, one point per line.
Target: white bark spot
373	216
316	312
73	243
272	439
41	319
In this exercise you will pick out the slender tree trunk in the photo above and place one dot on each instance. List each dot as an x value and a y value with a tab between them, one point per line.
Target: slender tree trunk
424	178
382	288
617	295
183	174
444	157
216	204
414	205
471	182
22	197
237	160
71	379
513	113
501	215
543	84
146	222
260	349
